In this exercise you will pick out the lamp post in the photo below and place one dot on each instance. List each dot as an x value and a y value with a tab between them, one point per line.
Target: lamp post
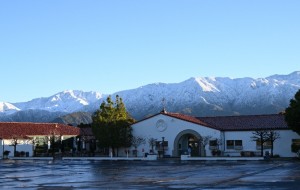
163	146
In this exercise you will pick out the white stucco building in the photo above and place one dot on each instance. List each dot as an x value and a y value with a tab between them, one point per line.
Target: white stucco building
26	136
172	134
177	134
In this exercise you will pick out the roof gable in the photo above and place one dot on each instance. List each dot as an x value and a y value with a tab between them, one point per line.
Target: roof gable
182	117
190	119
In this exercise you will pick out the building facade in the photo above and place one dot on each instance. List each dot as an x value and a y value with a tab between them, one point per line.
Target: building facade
166	134
23	138
177	134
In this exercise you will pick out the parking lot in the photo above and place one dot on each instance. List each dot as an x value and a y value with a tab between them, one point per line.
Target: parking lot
161	174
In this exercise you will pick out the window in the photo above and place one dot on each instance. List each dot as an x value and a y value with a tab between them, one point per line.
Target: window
213	144
296	141
158	145
238	144
230	144
234	144
295	147
267	145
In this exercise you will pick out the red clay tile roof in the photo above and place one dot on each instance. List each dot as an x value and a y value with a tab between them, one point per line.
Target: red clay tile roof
188	118
23	129
181	117
234	123
247	123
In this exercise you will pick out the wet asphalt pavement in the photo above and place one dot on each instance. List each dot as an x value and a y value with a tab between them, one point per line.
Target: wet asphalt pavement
161	174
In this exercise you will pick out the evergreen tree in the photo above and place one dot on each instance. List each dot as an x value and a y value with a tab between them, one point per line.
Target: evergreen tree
292	113
112	125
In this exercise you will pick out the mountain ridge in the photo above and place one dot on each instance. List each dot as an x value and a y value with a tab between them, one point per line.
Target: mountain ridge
198	96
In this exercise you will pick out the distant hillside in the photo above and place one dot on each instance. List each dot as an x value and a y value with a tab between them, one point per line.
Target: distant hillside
31	116
75	118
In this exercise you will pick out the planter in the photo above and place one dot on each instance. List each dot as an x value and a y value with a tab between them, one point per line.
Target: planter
151	157
5	154
216	152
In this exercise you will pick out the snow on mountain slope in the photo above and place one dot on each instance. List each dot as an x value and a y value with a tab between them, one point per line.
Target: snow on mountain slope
66	101
214	96
200	96
8	108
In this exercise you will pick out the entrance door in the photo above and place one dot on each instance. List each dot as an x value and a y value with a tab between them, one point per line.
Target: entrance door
189	142
187	138
194	145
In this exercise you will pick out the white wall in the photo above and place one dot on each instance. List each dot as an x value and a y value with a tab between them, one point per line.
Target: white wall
282	146
22	146
245	136
147	129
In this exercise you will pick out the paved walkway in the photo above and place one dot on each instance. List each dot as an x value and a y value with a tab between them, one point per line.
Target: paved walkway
161	174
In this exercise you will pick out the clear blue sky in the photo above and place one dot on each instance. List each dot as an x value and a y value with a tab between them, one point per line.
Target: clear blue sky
107	46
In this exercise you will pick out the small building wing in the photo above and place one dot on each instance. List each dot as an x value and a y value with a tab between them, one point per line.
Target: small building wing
9	130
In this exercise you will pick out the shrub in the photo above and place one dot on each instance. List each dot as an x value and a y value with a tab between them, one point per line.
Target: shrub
295	147
216	152
22	153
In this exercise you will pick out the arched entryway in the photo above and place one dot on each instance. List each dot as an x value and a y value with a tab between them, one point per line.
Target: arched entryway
188	139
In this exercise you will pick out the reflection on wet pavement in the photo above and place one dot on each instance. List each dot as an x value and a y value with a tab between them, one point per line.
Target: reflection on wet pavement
162	174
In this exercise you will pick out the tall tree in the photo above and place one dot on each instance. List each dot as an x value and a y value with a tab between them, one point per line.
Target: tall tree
112	125
292	113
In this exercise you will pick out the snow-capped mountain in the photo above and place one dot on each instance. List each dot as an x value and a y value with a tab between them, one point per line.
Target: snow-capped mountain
49	108
8	108
67	101
207	96
201	96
